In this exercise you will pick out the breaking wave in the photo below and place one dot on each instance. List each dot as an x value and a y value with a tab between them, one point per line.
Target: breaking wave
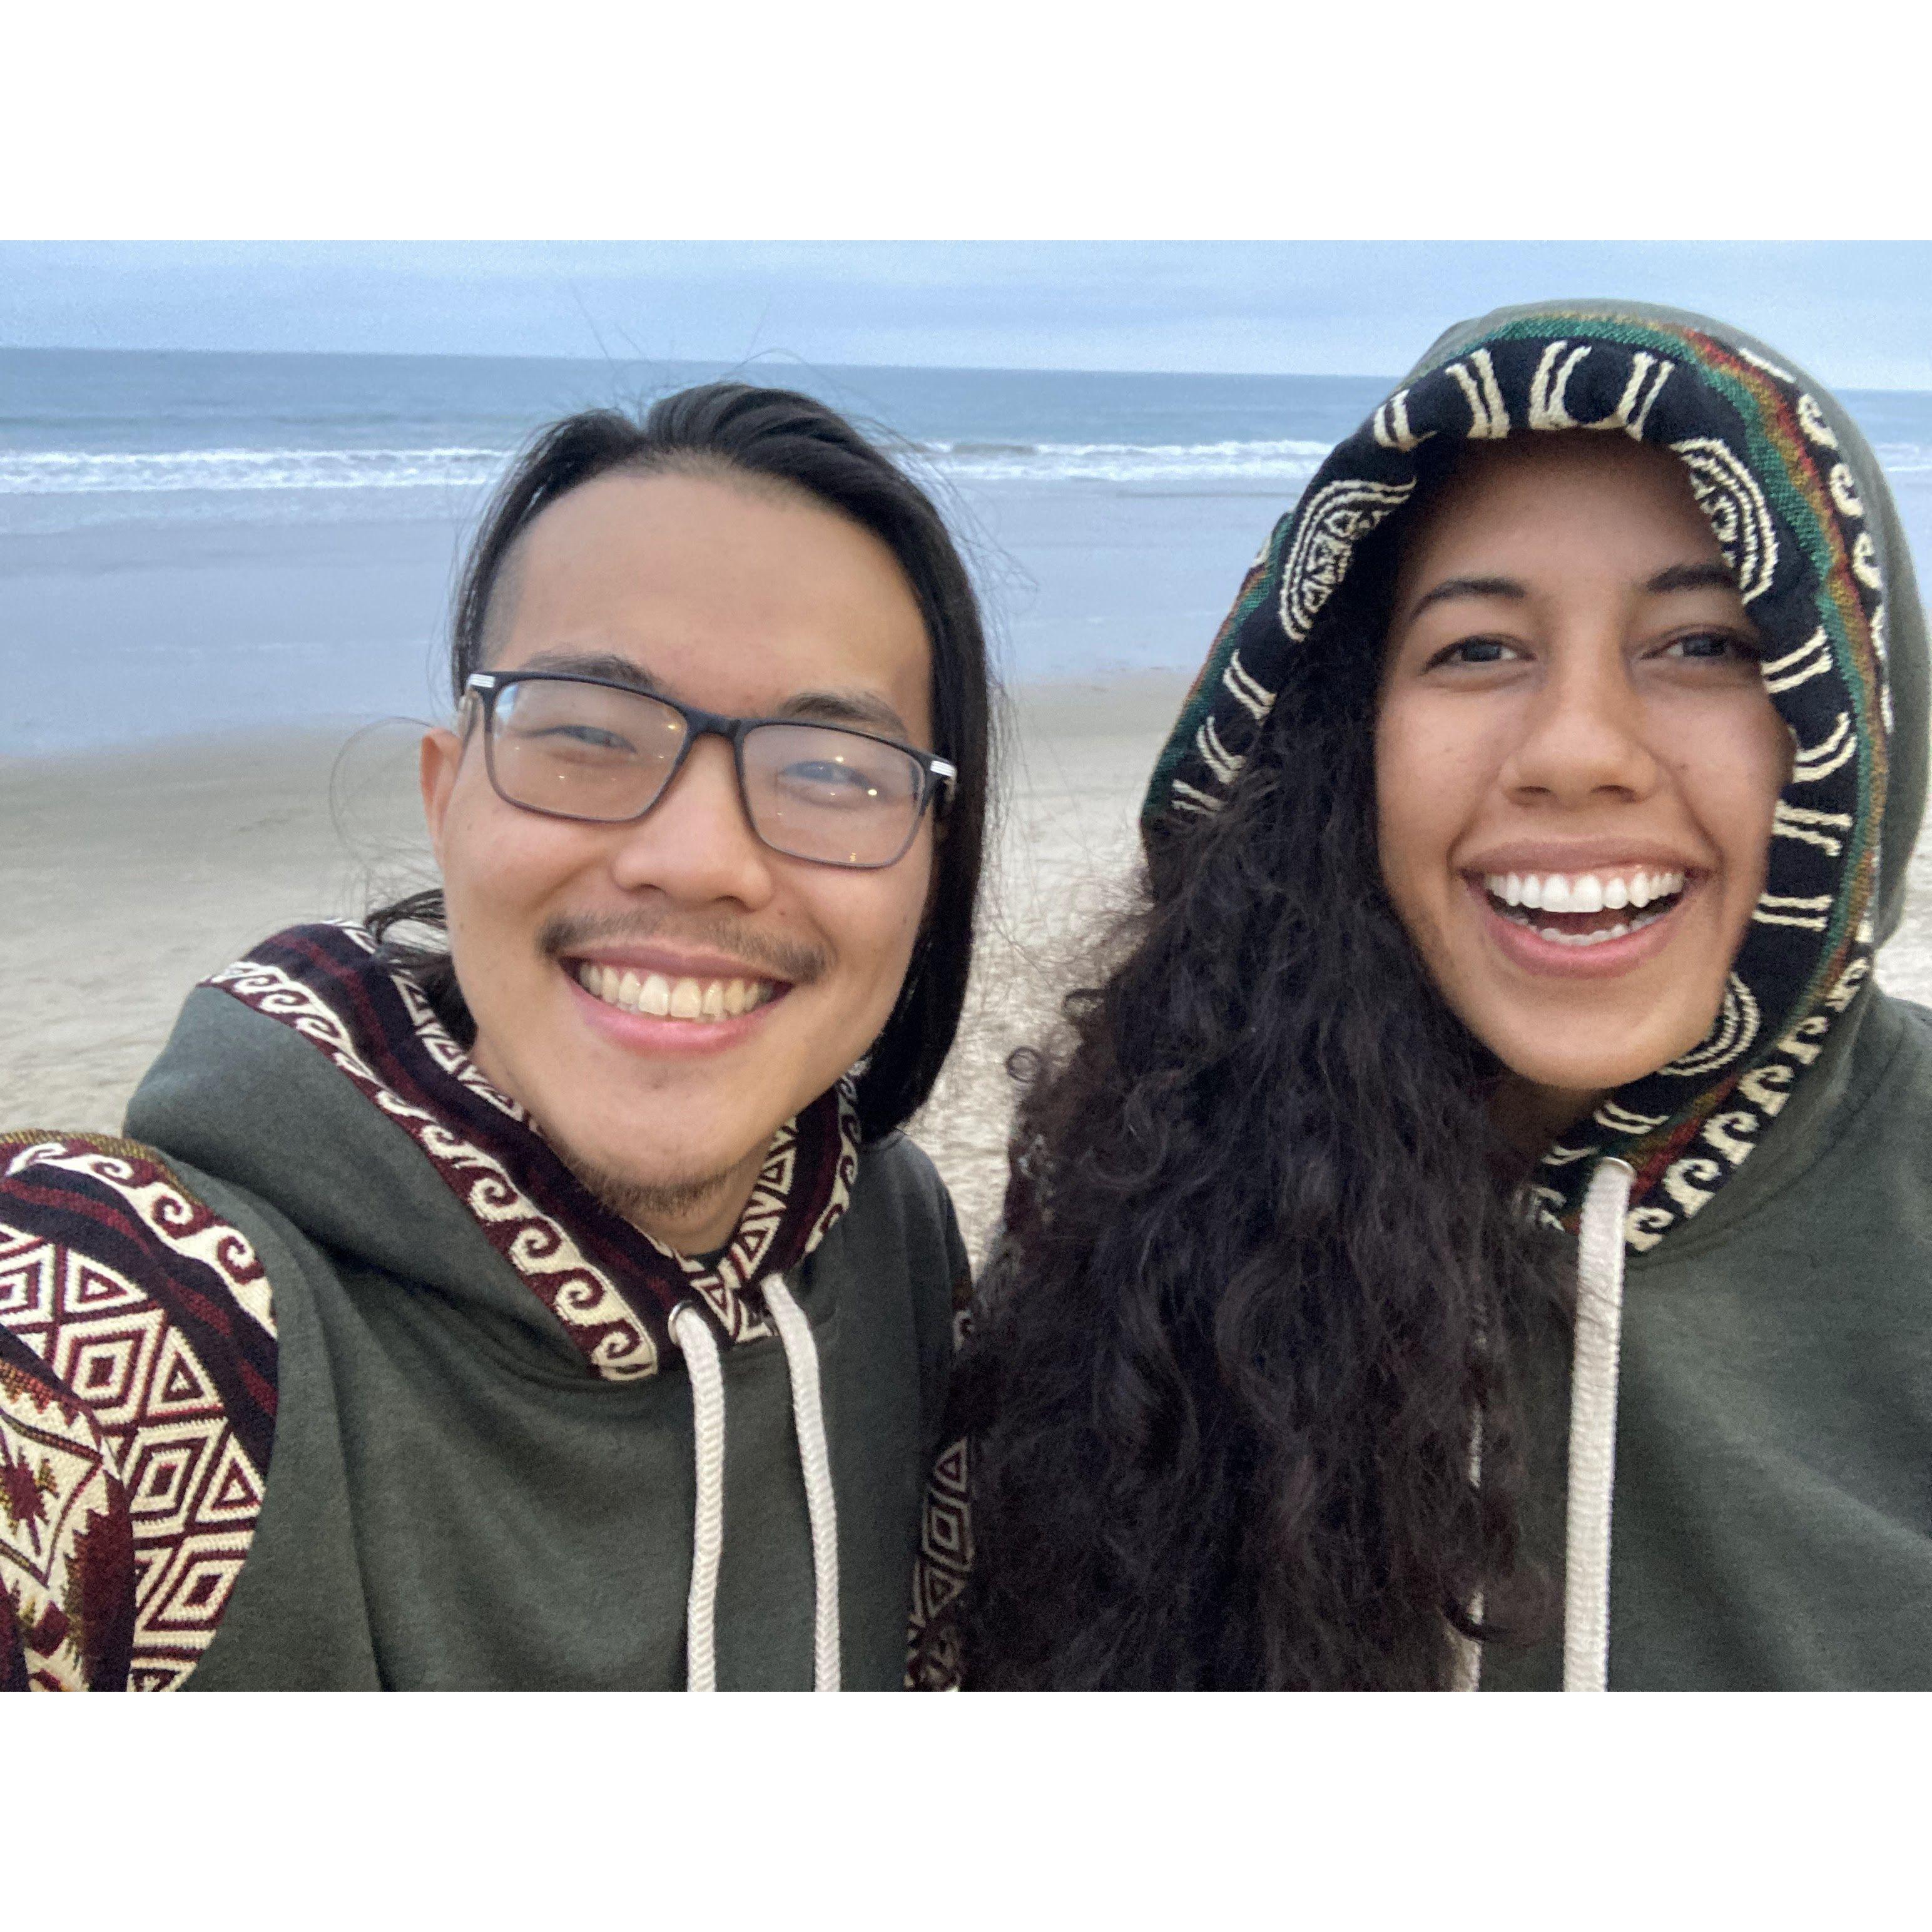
77	473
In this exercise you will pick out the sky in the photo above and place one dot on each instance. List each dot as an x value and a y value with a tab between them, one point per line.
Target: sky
1858	314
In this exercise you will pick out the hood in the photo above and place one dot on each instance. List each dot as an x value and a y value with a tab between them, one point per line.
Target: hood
1805	520
317	1077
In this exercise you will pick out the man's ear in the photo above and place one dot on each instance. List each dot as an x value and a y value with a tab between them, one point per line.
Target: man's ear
441	756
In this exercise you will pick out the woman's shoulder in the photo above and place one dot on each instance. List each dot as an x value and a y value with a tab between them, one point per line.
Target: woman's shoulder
138	1364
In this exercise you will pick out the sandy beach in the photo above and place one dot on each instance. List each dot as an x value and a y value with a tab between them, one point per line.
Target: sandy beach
132	874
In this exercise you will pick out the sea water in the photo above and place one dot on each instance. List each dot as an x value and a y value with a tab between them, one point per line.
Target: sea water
192	543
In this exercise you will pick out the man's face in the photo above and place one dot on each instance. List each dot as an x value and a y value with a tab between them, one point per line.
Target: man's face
1575	760
741	602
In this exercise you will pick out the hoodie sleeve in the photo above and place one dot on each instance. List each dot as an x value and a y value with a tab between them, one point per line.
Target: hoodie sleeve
137	1401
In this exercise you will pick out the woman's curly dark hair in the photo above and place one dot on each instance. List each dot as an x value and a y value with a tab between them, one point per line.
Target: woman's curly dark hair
1264	1272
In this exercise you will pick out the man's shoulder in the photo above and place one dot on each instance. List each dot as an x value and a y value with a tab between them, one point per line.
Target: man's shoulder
896	1175
138	1369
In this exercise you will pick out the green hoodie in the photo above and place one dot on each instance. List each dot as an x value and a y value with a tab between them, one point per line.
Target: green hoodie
1760	1446
333	1377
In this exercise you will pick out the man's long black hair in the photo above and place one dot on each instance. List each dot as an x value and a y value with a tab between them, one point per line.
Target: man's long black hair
774	437
1263	1274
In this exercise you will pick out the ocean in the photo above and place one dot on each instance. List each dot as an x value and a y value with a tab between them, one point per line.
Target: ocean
198	543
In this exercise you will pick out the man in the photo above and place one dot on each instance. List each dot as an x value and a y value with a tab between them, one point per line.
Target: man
552	1303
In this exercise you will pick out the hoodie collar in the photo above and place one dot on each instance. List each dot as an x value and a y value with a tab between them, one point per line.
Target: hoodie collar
1802	514
611	1286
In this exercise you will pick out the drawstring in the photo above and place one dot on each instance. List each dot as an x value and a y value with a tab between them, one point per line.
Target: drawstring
808	1415
1593	1445
693	1334
1466	1672
1593	1429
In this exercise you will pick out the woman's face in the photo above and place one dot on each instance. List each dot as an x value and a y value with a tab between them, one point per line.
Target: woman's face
1576	760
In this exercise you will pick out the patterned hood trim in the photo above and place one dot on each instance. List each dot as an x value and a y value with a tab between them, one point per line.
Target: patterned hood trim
611	1286
1775	479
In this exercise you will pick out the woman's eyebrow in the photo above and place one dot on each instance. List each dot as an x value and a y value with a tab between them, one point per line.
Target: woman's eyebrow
1692	577
1468	587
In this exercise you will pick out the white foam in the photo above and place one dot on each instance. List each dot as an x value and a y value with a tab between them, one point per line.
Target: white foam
87	472
62	473
1289	460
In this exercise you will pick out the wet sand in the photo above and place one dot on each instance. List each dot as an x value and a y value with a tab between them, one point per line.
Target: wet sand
130	875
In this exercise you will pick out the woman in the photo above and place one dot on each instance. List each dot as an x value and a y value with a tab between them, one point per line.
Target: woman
551	1302
1488	1135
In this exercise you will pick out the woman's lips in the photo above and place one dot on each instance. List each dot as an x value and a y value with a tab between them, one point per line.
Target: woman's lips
1602	958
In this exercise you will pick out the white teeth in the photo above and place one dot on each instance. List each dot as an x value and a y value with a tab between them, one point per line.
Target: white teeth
683	999
1585	892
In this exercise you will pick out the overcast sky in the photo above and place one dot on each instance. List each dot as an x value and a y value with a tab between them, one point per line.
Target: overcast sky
1858	314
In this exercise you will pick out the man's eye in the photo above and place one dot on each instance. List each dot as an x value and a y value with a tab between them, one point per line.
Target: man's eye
827	775
588	737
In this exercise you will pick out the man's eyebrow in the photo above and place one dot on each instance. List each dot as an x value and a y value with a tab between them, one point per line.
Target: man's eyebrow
1468	587
1692	577
605	664
863	709
866	710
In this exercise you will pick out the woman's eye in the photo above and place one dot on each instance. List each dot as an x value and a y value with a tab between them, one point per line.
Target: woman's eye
1475	651
1712	647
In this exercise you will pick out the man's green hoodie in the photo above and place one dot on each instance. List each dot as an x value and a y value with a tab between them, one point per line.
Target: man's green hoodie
1739	1495
332	1375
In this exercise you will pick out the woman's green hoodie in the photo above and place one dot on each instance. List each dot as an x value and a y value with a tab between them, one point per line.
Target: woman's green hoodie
1768	1417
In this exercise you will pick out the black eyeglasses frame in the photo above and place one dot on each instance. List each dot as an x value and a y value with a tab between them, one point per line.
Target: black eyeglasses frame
937	776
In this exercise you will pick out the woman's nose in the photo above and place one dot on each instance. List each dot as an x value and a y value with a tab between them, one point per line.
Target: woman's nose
1583	736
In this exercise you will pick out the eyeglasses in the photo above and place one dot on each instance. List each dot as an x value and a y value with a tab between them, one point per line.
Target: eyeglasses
584	747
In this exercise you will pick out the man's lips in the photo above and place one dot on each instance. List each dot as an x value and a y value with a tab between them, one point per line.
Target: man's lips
671	962
656	1016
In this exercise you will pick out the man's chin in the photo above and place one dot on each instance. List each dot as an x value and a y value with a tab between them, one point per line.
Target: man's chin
654	1205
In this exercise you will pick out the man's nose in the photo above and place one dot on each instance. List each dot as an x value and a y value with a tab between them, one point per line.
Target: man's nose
696	844
1584	735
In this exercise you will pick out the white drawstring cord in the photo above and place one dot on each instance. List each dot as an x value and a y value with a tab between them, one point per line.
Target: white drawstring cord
693	1334
809	1420
1466	1673
1593	1428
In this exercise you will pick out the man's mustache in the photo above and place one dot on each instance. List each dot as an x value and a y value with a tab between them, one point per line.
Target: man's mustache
774	958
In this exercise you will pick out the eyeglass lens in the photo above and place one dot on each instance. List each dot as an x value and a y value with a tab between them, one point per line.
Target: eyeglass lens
813	791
